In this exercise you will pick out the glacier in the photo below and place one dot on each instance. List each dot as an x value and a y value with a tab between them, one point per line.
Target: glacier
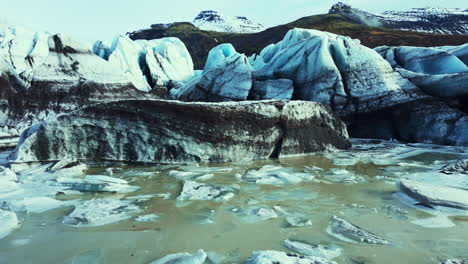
408	93
49	74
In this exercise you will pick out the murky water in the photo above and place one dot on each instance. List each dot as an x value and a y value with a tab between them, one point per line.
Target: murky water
223	228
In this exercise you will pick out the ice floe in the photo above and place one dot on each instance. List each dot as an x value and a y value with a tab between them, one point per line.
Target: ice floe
202	191
322	251
100	211
276	175
198	257
346	231
270	256
9	222
435	195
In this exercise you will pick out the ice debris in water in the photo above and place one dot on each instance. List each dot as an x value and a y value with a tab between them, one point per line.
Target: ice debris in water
336	175
213	192
435	195
440	221
296	221
346	231
460	166
254	214
9	222
276	175
270	256
198	257
98	183
322	251
100	211
147	218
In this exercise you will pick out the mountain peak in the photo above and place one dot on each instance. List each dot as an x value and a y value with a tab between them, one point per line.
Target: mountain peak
211	20
452	21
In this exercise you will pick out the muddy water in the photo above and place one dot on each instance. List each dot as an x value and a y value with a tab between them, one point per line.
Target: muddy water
186	226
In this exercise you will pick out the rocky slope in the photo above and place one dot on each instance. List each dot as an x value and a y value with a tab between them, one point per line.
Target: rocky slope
170	131
214	21
450	21
42	75
200	42
424	102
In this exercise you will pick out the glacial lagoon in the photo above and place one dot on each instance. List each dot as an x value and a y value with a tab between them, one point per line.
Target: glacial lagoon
273	201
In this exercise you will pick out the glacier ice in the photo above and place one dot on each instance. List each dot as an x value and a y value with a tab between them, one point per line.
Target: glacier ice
227	76
440	71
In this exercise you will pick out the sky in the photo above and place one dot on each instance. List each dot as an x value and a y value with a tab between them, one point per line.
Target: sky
90	20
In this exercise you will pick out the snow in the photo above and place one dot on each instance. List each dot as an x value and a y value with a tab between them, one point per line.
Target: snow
215	21
429	20
9	222
198	257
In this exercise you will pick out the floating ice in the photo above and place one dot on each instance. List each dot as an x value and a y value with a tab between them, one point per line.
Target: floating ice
198	257
276	175
435	195
147	218
254	214
440	221
100	211
346	231
270	256
213	192
321	251
9	222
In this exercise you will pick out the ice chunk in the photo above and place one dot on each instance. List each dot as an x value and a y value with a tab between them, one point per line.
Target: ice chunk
326	252
227	77
439	221
147	218
98	183
37	204
296	221
346	231
198	257
270	256
9	222
435	195
213	192
100	211
276	175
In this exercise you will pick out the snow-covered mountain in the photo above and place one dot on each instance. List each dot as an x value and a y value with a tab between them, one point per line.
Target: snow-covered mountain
452	21
214	21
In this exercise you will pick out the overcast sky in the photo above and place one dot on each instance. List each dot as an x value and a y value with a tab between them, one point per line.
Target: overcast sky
89	20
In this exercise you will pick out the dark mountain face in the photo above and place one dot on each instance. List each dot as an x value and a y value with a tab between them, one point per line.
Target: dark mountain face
450	21
200	42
